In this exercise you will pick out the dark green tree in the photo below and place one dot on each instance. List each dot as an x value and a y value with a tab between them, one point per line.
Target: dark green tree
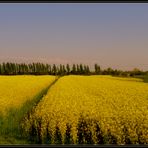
64	70
88	69
0	69
109	71
78	69
81	69
73	69
61	70
54	69
97	69
68	69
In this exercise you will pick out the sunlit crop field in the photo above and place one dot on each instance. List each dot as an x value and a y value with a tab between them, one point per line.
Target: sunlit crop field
16	90
91	109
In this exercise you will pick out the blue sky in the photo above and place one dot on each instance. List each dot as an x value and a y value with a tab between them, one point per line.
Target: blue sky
113	35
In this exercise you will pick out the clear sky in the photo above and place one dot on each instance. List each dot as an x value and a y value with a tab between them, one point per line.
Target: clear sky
112	35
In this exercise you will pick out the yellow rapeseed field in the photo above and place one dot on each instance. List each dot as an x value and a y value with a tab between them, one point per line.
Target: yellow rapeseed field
92	109
16	90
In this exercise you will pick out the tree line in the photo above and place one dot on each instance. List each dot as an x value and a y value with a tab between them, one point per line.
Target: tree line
75	69
42	69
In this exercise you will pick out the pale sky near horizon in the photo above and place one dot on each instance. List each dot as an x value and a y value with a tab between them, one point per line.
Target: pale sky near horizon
112	35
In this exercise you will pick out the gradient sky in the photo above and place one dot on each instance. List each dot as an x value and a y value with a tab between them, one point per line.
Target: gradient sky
112	35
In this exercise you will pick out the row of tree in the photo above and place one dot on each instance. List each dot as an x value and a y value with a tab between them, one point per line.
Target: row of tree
42	69
47	69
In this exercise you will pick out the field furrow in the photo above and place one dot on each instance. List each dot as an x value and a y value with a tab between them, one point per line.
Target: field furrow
17	97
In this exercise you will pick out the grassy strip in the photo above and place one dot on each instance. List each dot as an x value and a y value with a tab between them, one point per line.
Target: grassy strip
10	132
143	77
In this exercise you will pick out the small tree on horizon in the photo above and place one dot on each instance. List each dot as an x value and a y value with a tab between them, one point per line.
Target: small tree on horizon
97	69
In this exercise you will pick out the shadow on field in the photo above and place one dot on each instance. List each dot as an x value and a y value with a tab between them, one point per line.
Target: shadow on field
10	123
85	134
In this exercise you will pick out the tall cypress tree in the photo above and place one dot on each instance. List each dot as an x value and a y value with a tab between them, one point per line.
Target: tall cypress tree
54	70
4	69
88	69
61	69
48	69
42	69
78	69
68	69
81	69
85	69
97	69
26	68
64	70
0	69
16	68
58	69
22	68
34	68
13	68
73	69
8	68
